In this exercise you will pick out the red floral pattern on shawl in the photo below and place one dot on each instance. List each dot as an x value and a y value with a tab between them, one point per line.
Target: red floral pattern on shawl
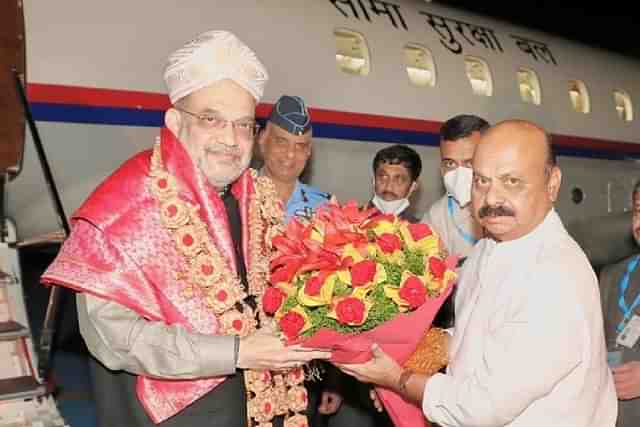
119	250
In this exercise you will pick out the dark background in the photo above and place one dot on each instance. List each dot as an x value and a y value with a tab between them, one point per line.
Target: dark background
607	25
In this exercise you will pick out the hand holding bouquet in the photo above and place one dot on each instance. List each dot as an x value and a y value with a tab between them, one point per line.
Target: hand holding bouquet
351	277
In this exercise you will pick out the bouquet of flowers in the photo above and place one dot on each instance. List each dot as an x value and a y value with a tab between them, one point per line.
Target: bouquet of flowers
351	276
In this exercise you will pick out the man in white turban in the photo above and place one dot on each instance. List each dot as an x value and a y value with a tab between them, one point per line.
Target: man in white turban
170	257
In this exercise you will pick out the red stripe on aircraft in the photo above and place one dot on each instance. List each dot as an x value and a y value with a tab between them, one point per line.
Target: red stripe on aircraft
95	97
98	97
577	142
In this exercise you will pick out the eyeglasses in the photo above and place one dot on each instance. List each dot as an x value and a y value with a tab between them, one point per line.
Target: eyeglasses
244	128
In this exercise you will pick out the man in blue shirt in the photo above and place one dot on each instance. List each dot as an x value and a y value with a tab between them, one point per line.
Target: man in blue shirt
285	145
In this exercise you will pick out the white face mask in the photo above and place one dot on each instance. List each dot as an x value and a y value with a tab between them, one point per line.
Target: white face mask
390	207
458	184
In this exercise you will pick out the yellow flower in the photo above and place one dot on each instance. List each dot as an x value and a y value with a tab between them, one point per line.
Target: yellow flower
350	251
381	274
437	285
317	235
344	276
394	293
361	292
372	250
429	246
397	257
288	288
384	226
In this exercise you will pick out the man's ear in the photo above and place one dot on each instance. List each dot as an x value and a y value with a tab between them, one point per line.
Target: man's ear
553	184
173	121
414	187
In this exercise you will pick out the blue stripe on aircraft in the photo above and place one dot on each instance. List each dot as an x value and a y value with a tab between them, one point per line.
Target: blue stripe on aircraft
50	112
46	112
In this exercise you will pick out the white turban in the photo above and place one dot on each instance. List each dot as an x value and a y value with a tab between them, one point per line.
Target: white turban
210	57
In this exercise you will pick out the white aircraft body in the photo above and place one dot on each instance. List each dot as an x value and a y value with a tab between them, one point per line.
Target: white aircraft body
373	72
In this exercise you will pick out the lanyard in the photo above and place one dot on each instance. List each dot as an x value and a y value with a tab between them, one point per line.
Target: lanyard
622	286
466	236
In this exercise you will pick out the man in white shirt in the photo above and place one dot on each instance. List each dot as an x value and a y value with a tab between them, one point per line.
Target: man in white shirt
451	215
528	347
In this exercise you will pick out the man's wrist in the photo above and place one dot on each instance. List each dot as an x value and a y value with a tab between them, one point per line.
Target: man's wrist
403	380
236	350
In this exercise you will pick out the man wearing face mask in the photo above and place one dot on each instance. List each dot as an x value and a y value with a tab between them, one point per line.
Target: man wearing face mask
395	177
451	216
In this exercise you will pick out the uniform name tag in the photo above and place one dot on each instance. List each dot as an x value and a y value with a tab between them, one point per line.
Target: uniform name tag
630	334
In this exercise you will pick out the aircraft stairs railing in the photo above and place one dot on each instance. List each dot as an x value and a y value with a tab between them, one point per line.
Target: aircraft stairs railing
25	398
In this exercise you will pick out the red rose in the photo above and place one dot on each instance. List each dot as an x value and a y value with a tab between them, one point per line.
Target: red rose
362	273
314	284
389	243
350	311
413	292
419	231
272	300
291	324
437	267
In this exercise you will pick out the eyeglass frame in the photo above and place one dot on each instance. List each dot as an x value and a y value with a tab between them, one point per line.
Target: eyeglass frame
210	122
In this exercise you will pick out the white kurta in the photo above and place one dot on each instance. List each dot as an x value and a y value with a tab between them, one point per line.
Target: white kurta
528	348
451	228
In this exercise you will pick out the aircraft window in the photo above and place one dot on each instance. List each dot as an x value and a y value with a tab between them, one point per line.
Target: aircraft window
623	105
420	66
579	96
577	195
352	53
479	76
529	86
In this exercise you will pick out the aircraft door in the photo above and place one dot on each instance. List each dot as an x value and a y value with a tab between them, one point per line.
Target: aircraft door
12	57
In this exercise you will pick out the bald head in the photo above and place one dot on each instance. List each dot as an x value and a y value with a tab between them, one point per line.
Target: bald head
516	180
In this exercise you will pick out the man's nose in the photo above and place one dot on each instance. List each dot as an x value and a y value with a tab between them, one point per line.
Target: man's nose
289	150
494	195
228	135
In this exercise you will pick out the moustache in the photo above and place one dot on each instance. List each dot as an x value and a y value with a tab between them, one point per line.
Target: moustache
495	211
388	195
222	149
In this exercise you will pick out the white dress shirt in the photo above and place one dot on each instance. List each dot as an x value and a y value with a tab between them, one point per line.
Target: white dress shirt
528	348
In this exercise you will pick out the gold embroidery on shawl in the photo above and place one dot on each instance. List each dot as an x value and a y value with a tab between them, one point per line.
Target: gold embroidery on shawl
268	395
